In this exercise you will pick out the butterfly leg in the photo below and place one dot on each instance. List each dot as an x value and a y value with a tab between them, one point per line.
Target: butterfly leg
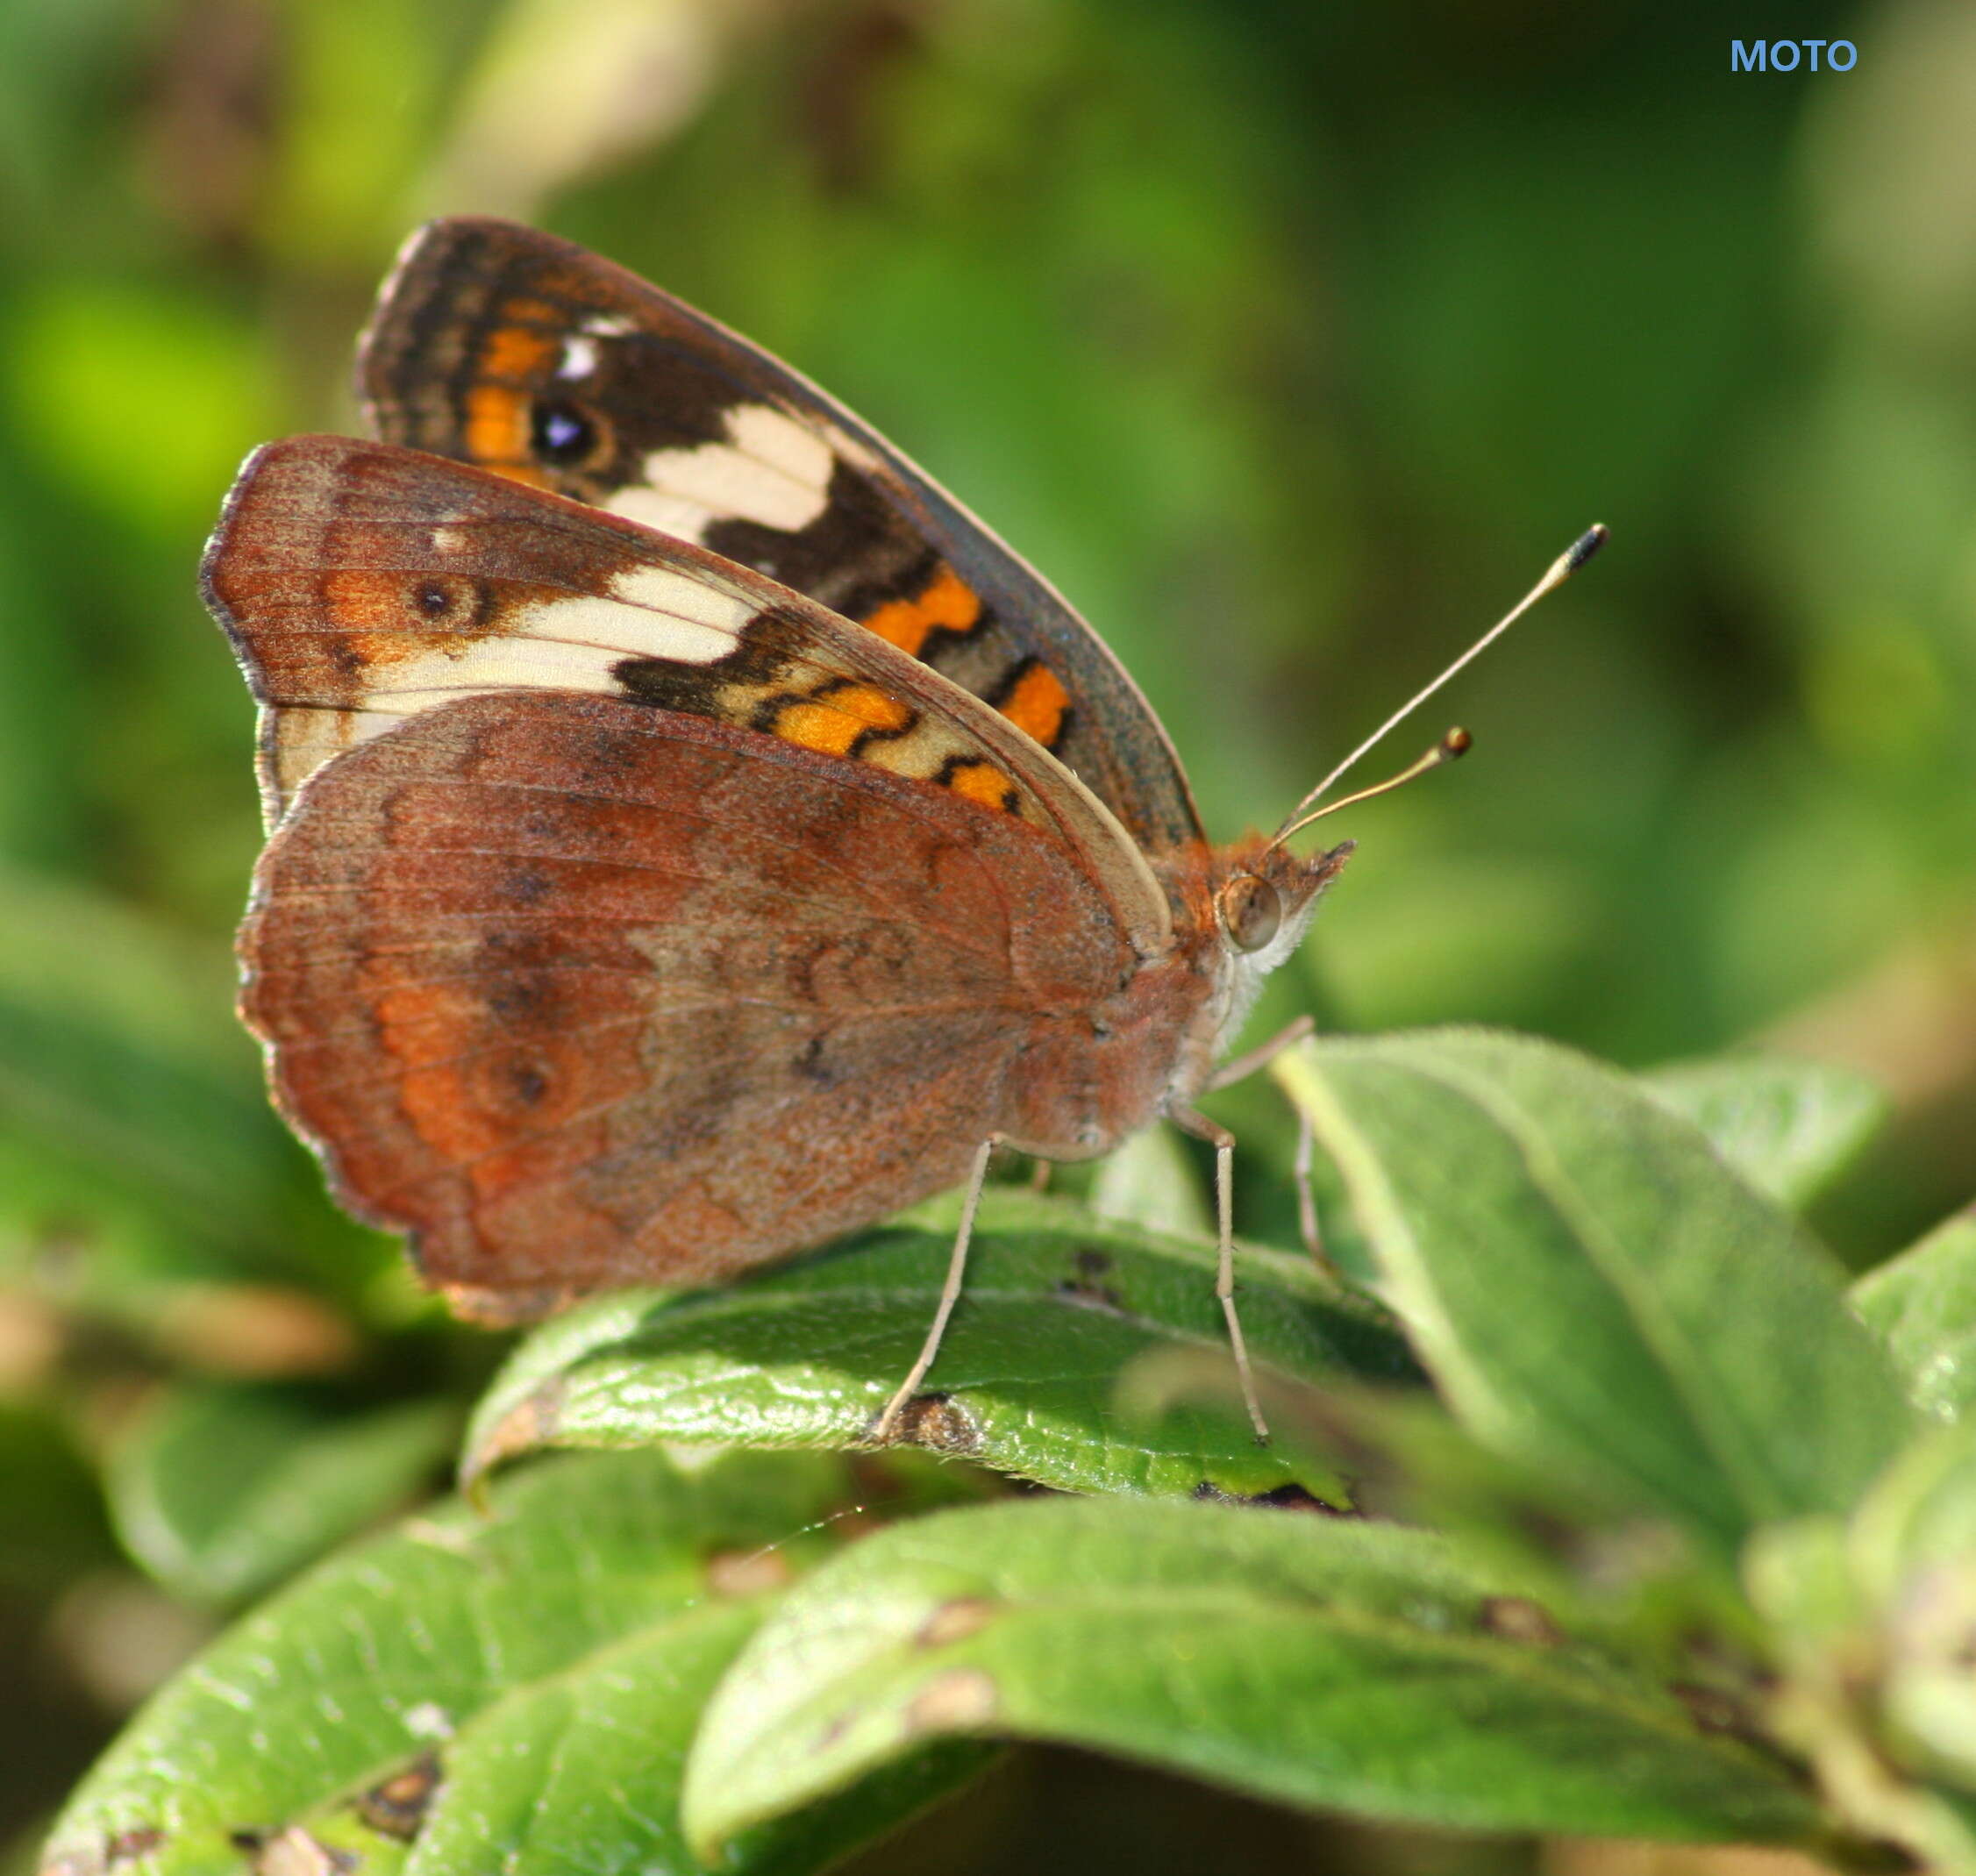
1239	1069
1223	1143
950	1294
1306	1201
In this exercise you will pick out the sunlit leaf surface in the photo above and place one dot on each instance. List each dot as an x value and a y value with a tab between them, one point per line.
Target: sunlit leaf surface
513	1690
1058	1303
1789	1127
1591	1287
1314	1661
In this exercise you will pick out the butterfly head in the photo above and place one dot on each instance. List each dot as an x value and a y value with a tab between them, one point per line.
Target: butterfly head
1265	902
1264	899
1265	895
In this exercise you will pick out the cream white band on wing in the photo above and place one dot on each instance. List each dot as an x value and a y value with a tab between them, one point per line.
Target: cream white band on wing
772	470
569	644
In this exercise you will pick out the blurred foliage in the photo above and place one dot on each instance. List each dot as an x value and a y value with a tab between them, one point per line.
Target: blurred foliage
1291	341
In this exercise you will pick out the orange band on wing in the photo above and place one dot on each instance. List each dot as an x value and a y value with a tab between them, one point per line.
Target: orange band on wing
833	725
1038	705
945	603
982	782
365	599
497	437
496	424
514	352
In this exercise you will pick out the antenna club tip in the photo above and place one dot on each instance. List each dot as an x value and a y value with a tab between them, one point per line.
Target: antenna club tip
1457	742
1585	545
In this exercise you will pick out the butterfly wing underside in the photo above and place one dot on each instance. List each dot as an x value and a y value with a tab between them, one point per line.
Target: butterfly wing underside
363	585
628	917
502	345
579	992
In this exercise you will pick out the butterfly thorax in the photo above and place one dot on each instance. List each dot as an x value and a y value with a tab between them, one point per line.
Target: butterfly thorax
1088	1079
1087	1082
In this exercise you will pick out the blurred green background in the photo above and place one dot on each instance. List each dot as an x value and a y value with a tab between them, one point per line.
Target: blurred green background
1292	341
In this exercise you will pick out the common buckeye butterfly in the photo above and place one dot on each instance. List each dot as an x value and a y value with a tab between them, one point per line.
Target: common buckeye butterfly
692	834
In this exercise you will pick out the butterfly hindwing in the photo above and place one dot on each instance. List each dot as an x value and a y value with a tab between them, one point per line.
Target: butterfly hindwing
364	585
506	347
582	993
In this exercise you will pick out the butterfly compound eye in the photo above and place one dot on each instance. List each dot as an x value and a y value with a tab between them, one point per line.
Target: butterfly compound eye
1251	912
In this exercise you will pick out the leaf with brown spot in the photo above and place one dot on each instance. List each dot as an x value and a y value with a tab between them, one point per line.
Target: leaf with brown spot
1027	1379
1325	1662
514	1689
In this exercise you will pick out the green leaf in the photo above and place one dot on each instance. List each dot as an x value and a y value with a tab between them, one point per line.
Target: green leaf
1058	1303
1923	1303
1789	1127
1596	1292
1920	1516
221	1492
1312	1660
513	1691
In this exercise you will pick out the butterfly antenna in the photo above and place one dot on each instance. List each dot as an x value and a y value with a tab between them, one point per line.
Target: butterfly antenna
1450	745
1455	743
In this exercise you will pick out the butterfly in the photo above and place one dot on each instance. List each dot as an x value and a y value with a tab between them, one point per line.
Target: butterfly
693	836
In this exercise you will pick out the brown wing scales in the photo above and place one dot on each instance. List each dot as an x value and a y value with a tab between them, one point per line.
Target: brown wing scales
582	993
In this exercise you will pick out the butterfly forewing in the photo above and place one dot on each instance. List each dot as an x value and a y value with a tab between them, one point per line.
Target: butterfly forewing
510	348
364	585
